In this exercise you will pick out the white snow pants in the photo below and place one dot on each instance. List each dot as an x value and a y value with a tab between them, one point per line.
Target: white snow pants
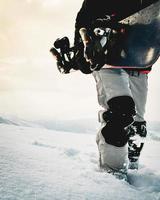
113	83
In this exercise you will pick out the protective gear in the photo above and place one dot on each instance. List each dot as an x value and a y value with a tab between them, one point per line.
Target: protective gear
93	50
111	158
137	133
81	62
119	115
89	52
112	138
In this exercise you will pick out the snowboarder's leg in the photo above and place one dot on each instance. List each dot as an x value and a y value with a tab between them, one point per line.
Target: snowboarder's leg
115	96
138	131
113	137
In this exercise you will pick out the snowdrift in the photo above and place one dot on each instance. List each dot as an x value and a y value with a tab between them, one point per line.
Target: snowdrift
41	164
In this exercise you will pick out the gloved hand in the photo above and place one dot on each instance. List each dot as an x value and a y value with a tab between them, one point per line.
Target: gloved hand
95	59
89	52
88	44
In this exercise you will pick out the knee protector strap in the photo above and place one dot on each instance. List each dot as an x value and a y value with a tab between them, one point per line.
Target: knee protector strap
119	115
121	110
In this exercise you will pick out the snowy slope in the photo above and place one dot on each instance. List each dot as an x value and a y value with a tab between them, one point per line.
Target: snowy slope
41	164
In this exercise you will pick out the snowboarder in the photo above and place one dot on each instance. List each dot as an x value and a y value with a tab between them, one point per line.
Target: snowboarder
122	92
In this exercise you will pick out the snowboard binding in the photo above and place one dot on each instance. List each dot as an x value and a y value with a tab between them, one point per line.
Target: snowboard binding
114	44
64	55
69	58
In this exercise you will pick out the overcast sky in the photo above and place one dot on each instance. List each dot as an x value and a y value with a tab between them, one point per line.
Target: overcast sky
30	85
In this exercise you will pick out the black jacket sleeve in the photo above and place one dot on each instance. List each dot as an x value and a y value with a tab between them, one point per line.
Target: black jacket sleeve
81	21
84	18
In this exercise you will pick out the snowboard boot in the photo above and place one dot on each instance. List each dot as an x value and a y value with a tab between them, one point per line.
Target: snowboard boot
137	132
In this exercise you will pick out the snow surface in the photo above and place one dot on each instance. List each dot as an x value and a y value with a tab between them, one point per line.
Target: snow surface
41	164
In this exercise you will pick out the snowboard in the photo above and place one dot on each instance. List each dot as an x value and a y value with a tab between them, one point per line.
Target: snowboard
136	47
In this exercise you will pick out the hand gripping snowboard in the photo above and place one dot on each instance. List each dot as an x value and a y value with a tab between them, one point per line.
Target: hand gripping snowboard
118	45
133	42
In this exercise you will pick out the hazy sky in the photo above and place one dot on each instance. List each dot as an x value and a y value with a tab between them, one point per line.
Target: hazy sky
30	85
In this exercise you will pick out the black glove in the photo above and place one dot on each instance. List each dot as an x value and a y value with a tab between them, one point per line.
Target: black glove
89	52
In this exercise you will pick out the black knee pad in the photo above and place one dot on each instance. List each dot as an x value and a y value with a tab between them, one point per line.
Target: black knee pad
119	115
121	110
114	135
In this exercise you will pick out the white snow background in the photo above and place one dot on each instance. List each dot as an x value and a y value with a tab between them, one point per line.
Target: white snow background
41	164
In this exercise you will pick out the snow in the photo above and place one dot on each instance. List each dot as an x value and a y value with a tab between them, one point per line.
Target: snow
41	164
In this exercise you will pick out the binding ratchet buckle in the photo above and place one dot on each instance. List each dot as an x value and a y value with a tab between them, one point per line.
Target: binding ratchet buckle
64	55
